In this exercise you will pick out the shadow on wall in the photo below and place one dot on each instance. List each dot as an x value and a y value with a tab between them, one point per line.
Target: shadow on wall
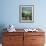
2	26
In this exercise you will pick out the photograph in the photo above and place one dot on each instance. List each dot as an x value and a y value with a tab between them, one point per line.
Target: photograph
26	13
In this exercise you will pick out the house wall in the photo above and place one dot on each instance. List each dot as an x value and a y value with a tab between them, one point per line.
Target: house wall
9	13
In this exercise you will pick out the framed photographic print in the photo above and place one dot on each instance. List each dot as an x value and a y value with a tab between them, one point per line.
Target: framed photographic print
26	13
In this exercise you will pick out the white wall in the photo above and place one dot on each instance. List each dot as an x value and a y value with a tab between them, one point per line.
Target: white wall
9	13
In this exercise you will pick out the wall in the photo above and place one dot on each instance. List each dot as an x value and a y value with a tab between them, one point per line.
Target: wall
9	13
